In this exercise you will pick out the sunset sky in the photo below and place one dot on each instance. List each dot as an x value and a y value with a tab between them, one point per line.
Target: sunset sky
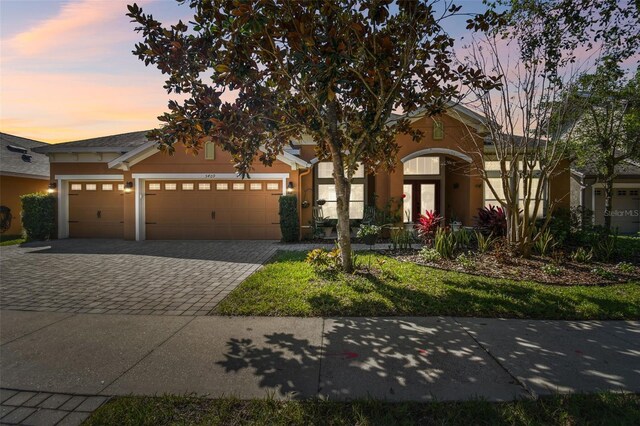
67	71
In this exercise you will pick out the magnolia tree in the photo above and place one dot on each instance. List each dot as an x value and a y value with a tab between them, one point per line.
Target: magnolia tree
332	69
530	116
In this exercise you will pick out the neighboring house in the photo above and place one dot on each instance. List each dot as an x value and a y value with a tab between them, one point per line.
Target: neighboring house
21	172
121	186
587	191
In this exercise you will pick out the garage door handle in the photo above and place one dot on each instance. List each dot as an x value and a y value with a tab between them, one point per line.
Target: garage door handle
213	215
99	214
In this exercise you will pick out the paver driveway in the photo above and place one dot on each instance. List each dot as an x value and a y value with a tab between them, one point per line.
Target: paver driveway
126	277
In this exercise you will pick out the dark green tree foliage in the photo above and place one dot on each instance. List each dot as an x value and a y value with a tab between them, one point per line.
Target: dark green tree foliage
39	216
332	69
289	222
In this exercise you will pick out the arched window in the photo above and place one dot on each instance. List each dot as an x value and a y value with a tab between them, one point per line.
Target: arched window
422	166
209	151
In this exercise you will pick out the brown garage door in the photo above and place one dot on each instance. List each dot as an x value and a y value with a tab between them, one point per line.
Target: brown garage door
212	210
96	210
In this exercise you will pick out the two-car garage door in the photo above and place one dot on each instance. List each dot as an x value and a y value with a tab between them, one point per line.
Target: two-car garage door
185	210
626	205
212	210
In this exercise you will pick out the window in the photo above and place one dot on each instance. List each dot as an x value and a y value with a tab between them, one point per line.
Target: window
325	171
209	151
633	192
273	186
238	187
496	183
204	186
597	192
422	166
255	187
622	192
170	186
222	186
438	130
327	192
91	187
107	187
76	187
154	187
187	186
121	187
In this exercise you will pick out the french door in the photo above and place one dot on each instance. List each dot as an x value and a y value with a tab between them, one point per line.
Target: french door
420	196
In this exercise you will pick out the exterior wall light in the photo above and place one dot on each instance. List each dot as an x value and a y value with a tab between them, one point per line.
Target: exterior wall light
128	187
52	188
290	188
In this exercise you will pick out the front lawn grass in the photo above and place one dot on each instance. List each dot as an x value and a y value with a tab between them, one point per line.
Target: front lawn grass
10	240
599	409
288	286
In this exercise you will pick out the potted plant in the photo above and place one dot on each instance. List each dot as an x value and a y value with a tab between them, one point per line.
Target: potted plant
369	234
455	223
327	226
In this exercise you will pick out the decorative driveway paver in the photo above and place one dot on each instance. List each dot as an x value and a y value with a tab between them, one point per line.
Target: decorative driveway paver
127	277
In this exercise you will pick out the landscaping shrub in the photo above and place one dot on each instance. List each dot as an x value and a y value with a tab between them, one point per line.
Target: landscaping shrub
484	241
445	243
401	239
581	255
551	269
427	225
466	261
289	222
606	246
492	220
626	267
430	254
544	243
39	216
369	234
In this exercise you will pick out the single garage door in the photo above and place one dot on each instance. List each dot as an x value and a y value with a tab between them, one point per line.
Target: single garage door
212	210
626	206
96	210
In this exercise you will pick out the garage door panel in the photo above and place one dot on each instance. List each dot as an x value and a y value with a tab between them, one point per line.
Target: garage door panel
217	213
626	204
95	212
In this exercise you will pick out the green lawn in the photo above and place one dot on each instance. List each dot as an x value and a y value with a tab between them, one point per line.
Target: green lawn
601	409
289	287
9	240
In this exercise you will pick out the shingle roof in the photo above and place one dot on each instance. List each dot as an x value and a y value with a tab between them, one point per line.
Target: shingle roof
114	143
17	157
626	168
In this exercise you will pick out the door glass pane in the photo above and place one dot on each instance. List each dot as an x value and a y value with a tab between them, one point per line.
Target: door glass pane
407	205
427	197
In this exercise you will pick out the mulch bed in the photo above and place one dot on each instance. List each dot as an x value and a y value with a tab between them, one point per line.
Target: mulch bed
520	269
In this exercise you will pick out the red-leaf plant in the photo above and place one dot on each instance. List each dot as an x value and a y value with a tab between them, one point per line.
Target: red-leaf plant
492	220
427	225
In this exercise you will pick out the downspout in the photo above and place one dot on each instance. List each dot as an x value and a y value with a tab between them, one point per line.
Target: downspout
300	191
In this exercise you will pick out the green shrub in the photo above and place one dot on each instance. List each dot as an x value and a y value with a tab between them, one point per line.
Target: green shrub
582	256
462	237
401	239
484	241
466	261
39	216
445	243
626	267
544	243
606	247
430	254
289	222
603	273
551	269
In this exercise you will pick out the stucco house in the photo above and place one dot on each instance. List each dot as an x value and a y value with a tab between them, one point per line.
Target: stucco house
22	171
587	191
121	186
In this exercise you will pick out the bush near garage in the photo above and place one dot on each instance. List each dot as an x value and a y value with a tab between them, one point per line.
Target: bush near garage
38	216
289	222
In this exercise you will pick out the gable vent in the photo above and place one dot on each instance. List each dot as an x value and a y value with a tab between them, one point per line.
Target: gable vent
26	158
18	149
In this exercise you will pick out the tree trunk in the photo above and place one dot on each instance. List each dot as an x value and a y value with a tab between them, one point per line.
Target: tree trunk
343	195
608	202
343	188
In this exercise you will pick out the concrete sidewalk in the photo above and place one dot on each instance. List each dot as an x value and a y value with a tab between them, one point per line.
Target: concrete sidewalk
339	358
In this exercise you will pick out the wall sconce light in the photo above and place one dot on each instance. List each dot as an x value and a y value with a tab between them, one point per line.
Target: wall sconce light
290	188
52	188
128	187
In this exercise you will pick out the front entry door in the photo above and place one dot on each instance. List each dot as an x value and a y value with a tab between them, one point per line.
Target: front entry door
420	196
